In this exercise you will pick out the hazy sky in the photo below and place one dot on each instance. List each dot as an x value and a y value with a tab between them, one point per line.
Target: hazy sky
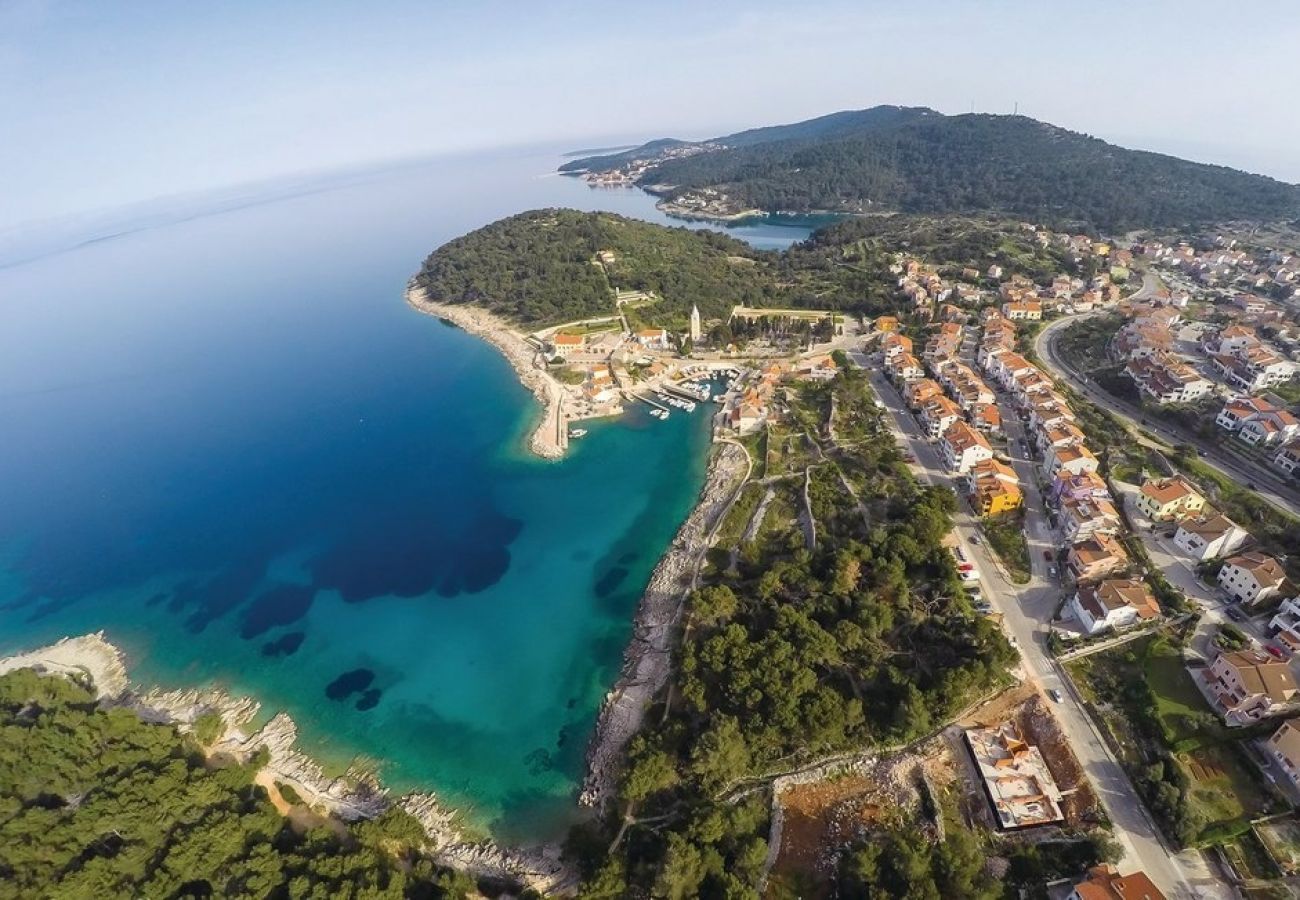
104	103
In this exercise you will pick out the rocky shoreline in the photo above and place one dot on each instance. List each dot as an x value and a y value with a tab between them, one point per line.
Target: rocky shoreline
647	661
550	439
352	796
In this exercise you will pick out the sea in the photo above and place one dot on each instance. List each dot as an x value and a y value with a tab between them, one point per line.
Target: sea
230	444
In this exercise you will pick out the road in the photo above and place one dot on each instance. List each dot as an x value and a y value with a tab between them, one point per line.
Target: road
1267	484
1027	609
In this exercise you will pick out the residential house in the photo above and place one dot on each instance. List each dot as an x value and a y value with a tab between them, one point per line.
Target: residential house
1022	310
903	368
1237	411
962	447
1249	685
1270	429
894	344
1209	535
1165	499
1166	379
1065	434
1105	883
986	417
1288	458
1067	485
1069	459
1251	577
1017	781
1083	517
1095	558
938	415
1113	603
1285	624
994	488
886	323
1284	747
920	392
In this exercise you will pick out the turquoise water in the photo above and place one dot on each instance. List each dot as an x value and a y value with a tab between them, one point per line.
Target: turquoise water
229	443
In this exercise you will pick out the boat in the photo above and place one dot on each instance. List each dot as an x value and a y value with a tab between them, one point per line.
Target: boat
576	433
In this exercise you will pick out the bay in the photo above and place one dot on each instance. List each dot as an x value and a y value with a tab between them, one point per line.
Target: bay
230	444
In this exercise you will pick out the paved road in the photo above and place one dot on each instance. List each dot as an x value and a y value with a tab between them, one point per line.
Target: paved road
1268	484
1026	610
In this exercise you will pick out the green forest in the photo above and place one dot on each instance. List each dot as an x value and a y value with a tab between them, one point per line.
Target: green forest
1010	165
97	803
866	641
541	267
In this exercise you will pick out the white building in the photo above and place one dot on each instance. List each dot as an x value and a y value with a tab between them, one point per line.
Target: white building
1113	603
1250	577
1209	535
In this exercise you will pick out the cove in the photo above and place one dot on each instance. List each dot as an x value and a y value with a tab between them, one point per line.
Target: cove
229	443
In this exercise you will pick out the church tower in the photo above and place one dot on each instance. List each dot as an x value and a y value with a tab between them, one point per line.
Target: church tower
695	324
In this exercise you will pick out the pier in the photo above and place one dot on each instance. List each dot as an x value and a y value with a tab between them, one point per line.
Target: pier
633	395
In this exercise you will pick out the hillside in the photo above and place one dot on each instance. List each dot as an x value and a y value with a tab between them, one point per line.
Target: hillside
541	267
914	160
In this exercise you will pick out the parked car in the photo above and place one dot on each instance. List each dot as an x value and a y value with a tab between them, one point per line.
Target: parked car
1051	571
959	553
1047	555
975	539
1274	652
1235	613
1054	694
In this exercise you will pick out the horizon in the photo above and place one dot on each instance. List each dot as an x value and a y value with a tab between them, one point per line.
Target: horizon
118	107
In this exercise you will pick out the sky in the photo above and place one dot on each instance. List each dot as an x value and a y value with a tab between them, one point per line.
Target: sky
104	104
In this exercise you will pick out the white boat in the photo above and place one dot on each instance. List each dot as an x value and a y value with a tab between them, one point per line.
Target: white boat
576	433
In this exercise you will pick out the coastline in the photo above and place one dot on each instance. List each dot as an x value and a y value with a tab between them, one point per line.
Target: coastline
550	439
355	795
647	660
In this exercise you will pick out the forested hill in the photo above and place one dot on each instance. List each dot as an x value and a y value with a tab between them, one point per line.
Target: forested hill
889	158
544	267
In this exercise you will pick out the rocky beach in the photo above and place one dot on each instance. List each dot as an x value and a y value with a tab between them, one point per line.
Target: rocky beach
647	661
354	795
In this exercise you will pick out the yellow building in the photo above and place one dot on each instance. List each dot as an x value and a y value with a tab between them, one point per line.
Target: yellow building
886	323
994	488
1169	498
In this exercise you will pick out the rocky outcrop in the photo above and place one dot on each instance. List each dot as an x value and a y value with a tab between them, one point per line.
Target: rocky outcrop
89	657
647	662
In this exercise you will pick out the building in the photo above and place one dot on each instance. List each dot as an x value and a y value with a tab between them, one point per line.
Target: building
653	338
1069	459
1166	379
1249	686
886	323
697	331
893	345
562	344
1288	458
986	417
1270	429
1096	557
1284	747
1209	534
903	368
1017	782
1082	517
1113	603
994	488
1285	624
1166	499
962	447
1251	577
1022	310
1105	883
920	392
938	415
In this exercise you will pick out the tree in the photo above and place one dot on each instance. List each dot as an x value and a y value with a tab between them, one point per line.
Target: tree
720	755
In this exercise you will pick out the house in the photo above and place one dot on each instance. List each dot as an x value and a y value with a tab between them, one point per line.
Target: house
994	488
962	447
1069	459
1284	747
1237	411
1270	429
920	392
903	368
1209	535
1166	499
1065	434
563	343
1022	310
1082	517
1105	883
986	417
1017	781
1067	485
1113	603
937	416
1248	685
653	338
1096	557
886	323
1166	379
1285	624
1288	458
1251	577
894	344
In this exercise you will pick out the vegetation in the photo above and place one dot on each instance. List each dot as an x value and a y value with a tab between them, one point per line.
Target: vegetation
1188	767
906	864
1006	536
794	654
921	161
98	803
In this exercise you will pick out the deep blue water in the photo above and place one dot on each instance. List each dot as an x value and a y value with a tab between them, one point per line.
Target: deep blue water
229	443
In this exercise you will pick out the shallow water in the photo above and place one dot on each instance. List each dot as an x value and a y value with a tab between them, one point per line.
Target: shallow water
232	445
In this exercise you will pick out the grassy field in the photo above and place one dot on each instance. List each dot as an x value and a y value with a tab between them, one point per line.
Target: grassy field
1006	535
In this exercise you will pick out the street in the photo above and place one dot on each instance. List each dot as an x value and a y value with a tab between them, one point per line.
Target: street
1027	610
